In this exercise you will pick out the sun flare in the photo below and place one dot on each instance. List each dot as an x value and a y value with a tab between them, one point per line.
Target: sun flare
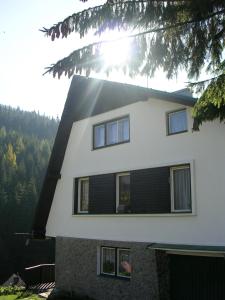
116	52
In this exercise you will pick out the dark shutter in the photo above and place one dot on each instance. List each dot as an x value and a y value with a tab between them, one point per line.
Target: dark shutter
75	204
102	194
150	190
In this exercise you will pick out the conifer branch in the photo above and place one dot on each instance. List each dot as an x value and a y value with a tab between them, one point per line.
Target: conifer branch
88	57
88	19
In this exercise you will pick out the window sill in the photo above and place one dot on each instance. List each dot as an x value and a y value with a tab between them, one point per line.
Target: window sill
173	214
110	145
114	277
175	133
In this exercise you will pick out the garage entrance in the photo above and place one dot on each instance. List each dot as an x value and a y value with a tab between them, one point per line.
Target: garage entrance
197	277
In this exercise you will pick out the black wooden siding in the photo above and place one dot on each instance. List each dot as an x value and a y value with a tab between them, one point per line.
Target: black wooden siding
102	194
150	190
197	278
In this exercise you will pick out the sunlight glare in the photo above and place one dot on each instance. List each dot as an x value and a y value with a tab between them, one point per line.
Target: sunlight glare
116	52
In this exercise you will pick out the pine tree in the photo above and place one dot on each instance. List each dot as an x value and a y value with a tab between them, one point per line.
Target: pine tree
166	34
11	155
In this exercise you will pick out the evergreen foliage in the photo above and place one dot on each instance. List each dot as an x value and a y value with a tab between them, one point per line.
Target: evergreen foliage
166	34
26	140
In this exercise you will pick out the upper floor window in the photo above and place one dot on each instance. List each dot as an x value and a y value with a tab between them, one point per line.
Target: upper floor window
160	190
123	193
111	133
177	122
180	189
83	195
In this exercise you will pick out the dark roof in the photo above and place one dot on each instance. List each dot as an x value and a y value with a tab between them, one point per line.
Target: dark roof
88	97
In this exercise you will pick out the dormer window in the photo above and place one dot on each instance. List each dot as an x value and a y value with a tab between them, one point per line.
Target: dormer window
177	122
112	132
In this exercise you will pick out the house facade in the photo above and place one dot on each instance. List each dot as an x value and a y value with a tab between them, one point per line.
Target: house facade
134	197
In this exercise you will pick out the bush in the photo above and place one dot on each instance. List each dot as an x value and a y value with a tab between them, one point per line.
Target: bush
65	295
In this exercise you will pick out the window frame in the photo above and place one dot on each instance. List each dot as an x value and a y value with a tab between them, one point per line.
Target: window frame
118	175
172	169
117	262
116	256
105	123
168	121
79	195
101	261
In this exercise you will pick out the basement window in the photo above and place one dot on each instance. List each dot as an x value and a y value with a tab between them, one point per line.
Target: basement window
116	262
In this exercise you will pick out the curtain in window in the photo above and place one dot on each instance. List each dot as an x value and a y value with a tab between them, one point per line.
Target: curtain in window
177	121
108	260
112	135
99	136
124	133
123	263
84	195
182	189
124	190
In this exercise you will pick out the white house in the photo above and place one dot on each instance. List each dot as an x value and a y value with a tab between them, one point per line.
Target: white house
134	197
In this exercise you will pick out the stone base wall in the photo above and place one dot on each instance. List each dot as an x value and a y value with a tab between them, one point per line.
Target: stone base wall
77	265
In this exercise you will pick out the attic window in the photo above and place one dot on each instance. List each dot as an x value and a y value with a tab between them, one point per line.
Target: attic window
177	122
112	132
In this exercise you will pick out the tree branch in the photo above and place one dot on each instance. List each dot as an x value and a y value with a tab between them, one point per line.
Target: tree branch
89	48
64	28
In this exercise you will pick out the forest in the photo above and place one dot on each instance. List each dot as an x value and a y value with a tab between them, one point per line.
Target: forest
26	140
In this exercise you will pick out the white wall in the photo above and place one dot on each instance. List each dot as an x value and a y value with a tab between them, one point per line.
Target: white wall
149	146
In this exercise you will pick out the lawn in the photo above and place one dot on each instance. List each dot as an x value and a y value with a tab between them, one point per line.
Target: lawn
16	293
20	297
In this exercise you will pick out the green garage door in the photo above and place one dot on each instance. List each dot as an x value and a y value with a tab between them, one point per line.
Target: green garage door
197	278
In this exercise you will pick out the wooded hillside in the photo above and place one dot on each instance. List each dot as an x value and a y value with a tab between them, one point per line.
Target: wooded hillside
26	140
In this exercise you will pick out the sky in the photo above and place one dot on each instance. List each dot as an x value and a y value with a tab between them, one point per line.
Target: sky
25	52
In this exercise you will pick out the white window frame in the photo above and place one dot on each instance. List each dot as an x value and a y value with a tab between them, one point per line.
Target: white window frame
168	121
79	195
172	169
107	132
118	187
94	136
101	261
117	261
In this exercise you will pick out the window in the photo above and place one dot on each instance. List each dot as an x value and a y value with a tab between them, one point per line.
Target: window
83	195
177	122
111	133
99	136
123	193
115	262
181	189
108	261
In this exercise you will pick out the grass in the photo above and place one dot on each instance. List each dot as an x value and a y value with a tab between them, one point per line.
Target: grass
20	296
8	297
16	293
